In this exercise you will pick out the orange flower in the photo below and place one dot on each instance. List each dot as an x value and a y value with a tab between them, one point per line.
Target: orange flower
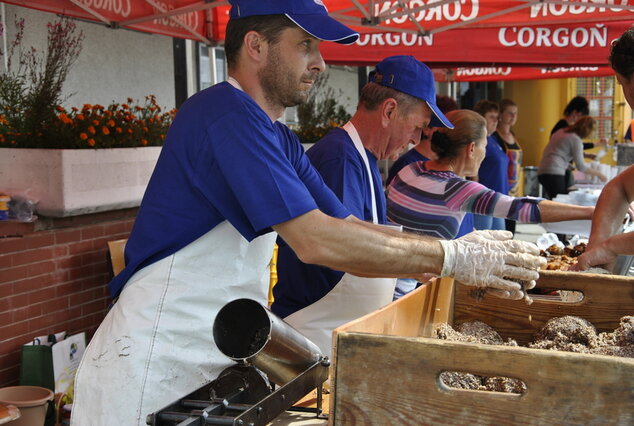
145	129
86	107
130	100
130	131
59	108
75	109
92	130
143	142
80	117
95	122
91	142
119	130
83	136
125	106
105	130
64	119
111	123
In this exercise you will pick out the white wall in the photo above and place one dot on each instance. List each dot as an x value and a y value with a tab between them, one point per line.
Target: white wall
113	64
345	82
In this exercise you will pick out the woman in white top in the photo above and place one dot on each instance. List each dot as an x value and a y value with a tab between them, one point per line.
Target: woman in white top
565	145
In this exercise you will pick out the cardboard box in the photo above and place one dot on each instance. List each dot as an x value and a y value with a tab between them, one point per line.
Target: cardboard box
386	369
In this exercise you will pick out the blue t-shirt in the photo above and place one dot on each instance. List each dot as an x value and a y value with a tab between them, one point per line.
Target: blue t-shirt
413	156
494	169
342	168
223	159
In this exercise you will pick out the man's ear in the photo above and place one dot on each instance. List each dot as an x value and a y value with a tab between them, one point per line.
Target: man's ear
389	109
255	46
471	149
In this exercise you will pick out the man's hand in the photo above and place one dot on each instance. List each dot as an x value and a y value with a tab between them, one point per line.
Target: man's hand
596	255
490	259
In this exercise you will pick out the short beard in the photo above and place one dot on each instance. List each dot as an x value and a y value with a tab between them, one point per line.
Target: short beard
279	86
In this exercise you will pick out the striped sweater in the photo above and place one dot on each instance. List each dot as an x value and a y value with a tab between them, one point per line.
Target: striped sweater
434	202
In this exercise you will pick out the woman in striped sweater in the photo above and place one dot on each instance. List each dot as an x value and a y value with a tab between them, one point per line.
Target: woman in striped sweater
431	197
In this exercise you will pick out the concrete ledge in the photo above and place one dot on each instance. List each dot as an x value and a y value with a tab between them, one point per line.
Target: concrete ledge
70	182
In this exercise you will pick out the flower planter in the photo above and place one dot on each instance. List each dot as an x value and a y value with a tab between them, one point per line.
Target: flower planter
70	182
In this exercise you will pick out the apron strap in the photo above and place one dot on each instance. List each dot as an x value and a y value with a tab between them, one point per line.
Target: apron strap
356	140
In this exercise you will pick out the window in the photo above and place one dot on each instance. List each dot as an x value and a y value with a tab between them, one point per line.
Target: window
212	65
599	91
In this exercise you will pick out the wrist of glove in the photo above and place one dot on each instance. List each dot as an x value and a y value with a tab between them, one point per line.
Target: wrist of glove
489	259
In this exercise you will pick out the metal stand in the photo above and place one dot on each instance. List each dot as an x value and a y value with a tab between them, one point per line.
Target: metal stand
241	395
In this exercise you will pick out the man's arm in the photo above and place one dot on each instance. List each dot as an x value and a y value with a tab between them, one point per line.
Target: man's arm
493	261
359	248
612	205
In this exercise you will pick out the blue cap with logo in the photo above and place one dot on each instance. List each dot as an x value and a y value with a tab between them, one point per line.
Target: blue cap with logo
408	75
309	15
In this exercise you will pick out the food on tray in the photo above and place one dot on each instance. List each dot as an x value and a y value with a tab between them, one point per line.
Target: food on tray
574	334
561	259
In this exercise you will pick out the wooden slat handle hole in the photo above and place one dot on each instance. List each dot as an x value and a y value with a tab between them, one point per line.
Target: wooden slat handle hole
572	297
461	380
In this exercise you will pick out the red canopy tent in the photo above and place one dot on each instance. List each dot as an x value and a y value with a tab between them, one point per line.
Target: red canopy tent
441	33
502	73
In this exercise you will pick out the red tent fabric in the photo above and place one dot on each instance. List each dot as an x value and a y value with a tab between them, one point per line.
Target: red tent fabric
503	73
441	33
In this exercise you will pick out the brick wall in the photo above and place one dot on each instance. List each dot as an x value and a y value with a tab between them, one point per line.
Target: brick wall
53	276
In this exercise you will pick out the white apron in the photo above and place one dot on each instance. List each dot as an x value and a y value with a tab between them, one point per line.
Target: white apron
352	297
156	343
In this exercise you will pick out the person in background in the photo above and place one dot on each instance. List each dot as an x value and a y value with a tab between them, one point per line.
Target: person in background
430	197
565	145
394	107
494	170
605	243
422	152
231	177
576	108
504	133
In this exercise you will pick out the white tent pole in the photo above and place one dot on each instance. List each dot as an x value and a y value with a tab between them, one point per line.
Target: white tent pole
177	11
94	13
481	18
179	22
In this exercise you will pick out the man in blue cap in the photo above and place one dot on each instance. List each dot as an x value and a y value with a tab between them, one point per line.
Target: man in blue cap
396	104
229	174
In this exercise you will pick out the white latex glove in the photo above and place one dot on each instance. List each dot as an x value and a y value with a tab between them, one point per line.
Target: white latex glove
490	259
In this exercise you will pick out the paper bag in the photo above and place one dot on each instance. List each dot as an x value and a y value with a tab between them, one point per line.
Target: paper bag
52	361
66	357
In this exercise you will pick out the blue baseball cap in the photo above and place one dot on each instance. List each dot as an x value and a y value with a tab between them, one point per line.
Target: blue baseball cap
409	75
309	15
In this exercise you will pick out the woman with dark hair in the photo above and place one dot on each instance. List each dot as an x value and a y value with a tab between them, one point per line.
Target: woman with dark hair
430	197
565	145
576	108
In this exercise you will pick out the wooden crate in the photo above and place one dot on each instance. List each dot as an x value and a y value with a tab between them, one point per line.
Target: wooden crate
386	369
